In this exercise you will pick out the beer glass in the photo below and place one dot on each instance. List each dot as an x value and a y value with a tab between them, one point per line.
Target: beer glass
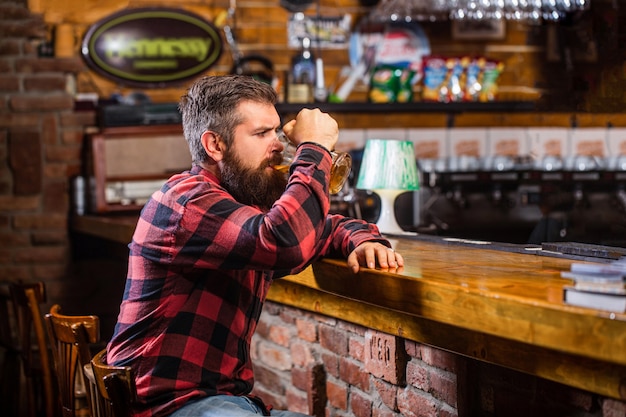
339	171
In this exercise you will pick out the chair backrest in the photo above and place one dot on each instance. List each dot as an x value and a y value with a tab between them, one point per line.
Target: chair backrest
116	387
71	337
36	363
9	355
8	331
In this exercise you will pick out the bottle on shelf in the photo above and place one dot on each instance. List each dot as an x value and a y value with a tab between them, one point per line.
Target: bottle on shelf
302	77
320	93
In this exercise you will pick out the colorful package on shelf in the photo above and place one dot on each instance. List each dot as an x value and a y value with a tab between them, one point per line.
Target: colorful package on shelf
405	86
491	72
456	79
391	84
481	79
456	87
383	85
474	75
435	80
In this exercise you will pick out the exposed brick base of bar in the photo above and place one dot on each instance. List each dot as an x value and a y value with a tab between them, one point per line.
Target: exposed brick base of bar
325	367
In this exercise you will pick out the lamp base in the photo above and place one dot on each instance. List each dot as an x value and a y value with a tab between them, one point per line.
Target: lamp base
387	223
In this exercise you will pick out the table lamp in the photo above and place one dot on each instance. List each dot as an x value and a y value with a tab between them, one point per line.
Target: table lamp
389	169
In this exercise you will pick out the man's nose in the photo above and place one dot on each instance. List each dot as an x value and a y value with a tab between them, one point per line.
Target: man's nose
280	139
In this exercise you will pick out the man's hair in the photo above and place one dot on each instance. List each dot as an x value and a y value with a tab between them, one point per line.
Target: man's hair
211	104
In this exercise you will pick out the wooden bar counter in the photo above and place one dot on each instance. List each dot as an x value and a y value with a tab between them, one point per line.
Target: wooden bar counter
500	304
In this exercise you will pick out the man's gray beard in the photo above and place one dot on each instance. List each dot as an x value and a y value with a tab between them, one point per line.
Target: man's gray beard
252	186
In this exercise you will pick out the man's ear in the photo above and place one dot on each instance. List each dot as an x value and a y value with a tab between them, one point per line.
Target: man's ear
213	145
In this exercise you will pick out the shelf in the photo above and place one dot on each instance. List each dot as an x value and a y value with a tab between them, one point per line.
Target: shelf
362	107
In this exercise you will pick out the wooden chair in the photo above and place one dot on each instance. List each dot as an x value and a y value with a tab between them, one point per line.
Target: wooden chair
116	387
10	372
36	362
71	338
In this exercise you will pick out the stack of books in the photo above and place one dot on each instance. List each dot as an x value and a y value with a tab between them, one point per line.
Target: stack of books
599	286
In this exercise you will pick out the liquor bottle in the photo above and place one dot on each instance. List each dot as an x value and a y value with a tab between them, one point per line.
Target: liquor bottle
320	93
302	77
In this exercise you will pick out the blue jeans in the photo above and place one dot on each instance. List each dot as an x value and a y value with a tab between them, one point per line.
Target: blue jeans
227	406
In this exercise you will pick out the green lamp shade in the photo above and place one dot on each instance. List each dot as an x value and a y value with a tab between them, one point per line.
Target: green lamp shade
388	165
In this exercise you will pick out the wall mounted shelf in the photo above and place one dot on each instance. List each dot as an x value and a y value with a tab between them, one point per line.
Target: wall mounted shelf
363	107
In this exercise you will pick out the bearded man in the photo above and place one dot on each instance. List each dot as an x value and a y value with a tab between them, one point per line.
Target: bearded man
209	243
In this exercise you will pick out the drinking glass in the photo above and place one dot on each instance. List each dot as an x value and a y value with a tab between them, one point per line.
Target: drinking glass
339	171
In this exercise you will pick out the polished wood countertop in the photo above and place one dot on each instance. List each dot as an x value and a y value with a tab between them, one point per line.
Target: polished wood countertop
485	301
116	227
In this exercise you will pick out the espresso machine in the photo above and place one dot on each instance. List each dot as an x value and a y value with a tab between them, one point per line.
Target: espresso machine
527	200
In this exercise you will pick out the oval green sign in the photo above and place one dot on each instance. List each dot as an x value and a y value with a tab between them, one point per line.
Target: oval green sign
151	47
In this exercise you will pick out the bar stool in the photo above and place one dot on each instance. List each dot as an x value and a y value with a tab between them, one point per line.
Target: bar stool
116	387
36	363
71	338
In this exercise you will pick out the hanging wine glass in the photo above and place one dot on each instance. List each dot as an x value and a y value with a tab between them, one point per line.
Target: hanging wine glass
531	11
533	15
511	10
475	11
410	10
495	10
392	11
582	4
458	9
551	12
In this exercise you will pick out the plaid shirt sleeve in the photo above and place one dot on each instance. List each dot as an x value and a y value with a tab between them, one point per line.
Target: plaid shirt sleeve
200	266
209	229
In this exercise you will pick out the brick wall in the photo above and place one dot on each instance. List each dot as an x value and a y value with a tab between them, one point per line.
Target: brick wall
324	367
40	150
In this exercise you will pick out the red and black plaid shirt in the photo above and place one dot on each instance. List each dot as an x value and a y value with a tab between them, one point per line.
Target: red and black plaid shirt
199	270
